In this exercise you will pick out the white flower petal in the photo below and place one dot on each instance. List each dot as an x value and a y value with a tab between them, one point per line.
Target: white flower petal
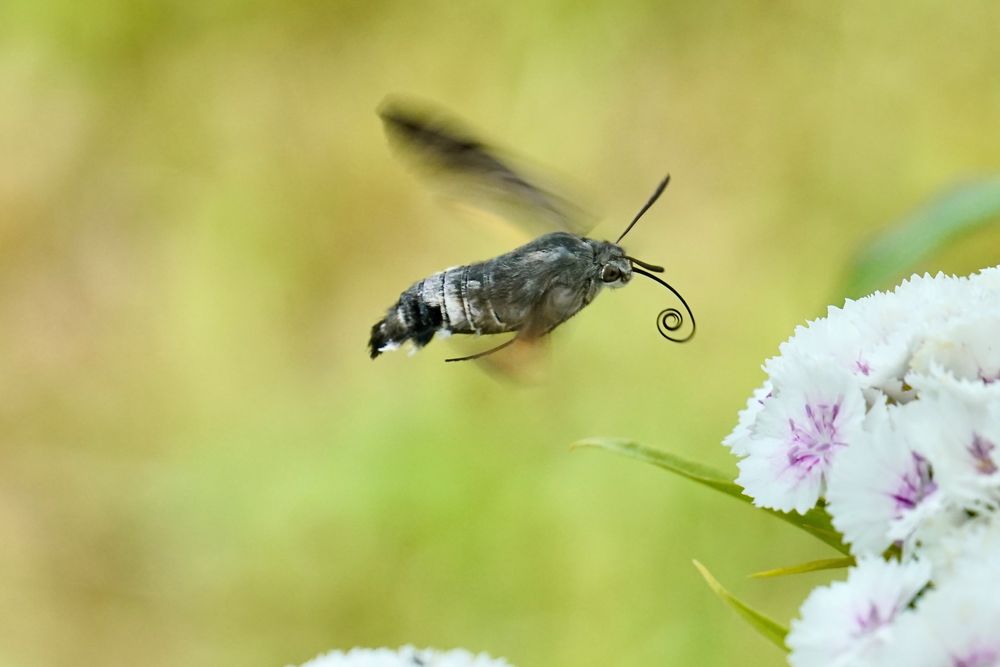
967	348
848	621
739	440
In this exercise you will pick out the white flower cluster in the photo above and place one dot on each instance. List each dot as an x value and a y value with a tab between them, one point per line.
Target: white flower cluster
887	412
406	656
910	613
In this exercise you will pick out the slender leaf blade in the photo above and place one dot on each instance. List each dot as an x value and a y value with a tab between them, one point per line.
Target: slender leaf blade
816	521
696	472
766	626
802	568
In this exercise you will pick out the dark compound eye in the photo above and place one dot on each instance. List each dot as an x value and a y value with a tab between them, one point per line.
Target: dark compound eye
610	273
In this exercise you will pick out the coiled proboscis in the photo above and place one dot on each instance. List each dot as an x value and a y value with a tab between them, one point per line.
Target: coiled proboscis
671	320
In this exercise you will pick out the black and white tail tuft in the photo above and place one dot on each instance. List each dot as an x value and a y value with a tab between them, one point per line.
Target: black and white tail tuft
410	319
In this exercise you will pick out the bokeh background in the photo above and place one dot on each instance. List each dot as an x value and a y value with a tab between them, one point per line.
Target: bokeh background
200	220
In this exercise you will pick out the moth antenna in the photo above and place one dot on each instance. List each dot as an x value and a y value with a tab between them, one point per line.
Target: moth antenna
652	200
670	320
646	265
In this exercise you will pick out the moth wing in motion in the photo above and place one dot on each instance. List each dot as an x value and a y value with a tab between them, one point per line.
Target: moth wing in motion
473	172
521	359
523	362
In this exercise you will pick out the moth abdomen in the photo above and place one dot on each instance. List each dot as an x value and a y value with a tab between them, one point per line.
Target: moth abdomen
455	300
468	300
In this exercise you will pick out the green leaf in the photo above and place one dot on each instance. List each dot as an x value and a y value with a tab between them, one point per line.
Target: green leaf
816	521
917	235
697	472
811	566
765	625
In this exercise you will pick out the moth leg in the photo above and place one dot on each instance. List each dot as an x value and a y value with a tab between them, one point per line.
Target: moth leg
480	355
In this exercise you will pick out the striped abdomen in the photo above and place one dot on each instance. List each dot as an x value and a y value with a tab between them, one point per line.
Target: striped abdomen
456	300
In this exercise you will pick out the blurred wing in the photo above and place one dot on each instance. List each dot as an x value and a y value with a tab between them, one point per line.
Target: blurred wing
473	172
520	359
524	361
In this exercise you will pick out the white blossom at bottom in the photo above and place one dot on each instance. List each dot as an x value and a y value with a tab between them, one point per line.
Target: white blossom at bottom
849	622
406	656
957	623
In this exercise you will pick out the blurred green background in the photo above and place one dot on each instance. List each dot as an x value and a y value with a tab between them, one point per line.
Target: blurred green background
200	221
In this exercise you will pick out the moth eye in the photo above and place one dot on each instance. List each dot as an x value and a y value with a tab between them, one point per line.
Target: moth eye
610	273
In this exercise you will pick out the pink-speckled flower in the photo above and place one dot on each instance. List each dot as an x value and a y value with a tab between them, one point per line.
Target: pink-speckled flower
815	411
922	470
958	428
883	489
957	624
848	622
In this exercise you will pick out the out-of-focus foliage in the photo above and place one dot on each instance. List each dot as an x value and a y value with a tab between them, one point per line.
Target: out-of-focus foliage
923	232
200	221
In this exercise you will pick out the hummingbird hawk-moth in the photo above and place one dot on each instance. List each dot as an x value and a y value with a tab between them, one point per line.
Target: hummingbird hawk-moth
528	291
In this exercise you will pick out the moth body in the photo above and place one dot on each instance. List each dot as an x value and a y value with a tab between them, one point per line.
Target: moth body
529	290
